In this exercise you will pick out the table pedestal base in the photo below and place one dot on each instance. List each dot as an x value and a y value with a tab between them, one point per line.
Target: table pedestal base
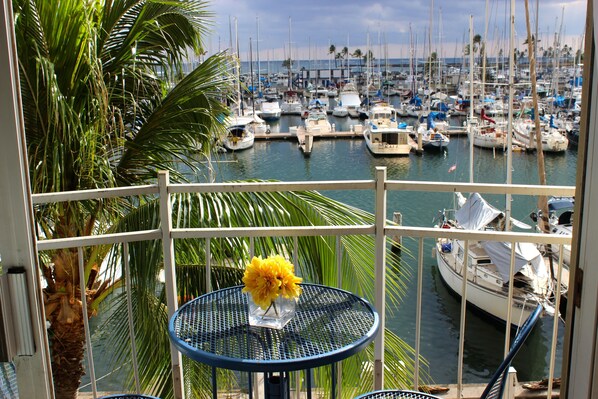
277	386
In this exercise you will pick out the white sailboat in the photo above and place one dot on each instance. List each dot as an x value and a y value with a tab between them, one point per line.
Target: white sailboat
487	133
383	135
240	134
552	138
488	264
432	137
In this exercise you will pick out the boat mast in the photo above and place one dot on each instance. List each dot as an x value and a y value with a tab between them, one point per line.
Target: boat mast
257	45
239	99
411	55
251	77
510	115
542	200
290	59
483	53
470	131
430	55
439	54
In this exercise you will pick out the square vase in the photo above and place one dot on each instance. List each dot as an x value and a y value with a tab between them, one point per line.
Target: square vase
276	316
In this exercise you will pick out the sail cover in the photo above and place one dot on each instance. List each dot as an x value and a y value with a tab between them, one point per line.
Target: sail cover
476	213
500	253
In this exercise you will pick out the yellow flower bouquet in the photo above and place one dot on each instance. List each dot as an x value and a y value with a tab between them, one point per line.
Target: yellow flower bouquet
273	291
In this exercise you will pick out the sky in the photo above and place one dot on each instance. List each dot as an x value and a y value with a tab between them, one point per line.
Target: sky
390	25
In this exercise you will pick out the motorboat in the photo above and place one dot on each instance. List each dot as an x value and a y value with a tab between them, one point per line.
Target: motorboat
290	103
349	98
560	221
383	134
487	265
317	122
270	110
340	111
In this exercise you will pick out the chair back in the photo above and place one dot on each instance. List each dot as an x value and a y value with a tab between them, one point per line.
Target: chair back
495	387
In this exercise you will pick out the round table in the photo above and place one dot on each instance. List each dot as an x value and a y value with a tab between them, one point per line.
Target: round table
329	325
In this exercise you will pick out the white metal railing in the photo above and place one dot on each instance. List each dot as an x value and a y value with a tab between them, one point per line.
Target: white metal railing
380	230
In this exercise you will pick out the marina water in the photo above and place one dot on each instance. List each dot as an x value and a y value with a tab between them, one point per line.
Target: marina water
349	159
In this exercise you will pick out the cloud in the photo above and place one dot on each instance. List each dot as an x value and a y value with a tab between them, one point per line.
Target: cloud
316	23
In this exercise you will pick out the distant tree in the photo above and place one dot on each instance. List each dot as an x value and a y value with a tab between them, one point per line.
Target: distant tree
358	54
345	54
338	57
332	51
369	57
288	63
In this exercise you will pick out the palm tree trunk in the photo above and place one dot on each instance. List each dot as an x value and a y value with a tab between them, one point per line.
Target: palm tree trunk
67	342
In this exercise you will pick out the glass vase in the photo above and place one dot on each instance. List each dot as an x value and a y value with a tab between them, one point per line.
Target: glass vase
277	315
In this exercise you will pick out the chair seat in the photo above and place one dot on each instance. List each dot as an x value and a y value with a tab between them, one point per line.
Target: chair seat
397	394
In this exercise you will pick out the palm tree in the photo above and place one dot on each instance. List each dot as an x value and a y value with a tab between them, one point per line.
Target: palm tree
345	54
358	54
332	51
100	112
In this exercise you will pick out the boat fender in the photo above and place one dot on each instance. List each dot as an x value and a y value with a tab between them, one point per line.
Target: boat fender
446	247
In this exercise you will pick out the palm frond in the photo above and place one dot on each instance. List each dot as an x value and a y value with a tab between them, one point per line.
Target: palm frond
317	263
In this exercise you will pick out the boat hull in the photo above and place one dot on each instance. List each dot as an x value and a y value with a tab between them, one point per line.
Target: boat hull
492	302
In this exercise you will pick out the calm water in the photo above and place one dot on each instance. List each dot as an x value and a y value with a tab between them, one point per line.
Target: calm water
349	159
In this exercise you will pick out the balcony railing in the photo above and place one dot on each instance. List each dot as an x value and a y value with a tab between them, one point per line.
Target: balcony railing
381	230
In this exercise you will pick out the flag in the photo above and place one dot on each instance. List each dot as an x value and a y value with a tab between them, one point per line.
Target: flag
452	168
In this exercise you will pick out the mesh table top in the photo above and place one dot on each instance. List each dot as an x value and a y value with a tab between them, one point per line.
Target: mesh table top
394	394
329	325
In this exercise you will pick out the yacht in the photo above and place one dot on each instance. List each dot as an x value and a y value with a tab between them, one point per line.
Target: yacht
290	103
270	110
317	122
349	98
488	264
384	135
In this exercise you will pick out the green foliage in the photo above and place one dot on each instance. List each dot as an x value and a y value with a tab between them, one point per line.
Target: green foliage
317	260
101	110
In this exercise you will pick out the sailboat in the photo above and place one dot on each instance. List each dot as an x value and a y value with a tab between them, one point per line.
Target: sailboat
485	265
240	133
487	133
432	137
488	264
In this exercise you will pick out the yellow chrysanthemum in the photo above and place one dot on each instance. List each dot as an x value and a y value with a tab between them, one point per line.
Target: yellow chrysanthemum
266	279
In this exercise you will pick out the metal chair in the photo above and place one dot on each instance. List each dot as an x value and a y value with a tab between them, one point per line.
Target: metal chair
397	394
496	386
128	396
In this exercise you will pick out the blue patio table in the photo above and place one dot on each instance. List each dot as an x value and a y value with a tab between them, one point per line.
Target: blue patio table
329	325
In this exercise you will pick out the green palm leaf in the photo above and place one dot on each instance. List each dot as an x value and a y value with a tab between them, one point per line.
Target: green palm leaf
317	263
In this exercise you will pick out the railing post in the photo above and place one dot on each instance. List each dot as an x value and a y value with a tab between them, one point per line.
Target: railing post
380	273
170	277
